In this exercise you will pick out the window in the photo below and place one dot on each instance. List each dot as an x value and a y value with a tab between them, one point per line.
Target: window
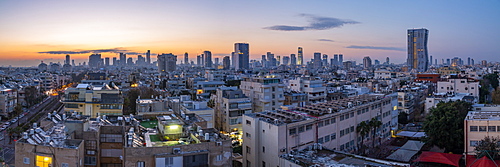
320	123
263	149
492	128
352	128
341	133
292	131
248	135
90	160
91	144
347	116
320	140
263	164
26	160
301	129
359	112
482	128
141	164
341	117
352	114
64	165
309	127
327	122
333	136
474	143
249	122
218	158
473	128
112	138
249	163
248	150
327	138
333	120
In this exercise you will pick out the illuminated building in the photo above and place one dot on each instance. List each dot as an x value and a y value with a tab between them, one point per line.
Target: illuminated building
300	56
418	58
93	101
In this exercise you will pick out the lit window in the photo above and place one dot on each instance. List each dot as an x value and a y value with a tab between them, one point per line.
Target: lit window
42	161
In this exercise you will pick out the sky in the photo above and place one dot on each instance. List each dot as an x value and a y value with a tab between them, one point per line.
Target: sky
32	31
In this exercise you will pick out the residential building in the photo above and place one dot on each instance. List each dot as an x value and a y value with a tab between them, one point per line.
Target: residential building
167	63
483	121
294	98
208	59
269	134
230	105
418	57
95	61
93	101
459	84
8	101
314	88
242	56
266	92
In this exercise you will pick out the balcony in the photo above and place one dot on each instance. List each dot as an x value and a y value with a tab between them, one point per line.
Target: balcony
73	100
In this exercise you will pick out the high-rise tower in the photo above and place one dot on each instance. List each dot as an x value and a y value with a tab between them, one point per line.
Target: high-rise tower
242	56
186	58
208	59
300	56
417	49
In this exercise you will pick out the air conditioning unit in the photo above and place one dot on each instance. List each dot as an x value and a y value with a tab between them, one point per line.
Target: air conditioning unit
177	150
283	150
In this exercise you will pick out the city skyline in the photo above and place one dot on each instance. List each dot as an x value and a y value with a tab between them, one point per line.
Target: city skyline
34	31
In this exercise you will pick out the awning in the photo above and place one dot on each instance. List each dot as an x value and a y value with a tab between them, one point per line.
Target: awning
402	155
481	162
411	134
442	158
413	145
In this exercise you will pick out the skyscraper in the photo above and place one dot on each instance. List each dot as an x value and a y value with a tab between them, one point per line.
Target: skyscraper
286	60
367	62
341	60
242	51
208	59
417	49
198	61
430	60
94	60
335	59
114	61
226	62
317	60
67	59
387	60
148	57
106	61
186	58
166	63
293	60
468	61
325	60
300	56
123	59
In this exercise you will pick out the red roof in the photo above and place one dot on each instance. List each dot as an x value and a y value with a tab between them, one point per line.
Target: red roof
442	158
472	161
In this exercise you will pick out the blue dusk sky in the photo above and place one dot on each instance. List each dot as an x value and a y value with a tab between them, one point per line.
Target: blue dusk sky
46	30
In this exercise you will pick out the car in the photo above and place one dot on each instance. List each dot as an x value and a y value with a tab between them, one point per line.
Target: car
2	128
14	120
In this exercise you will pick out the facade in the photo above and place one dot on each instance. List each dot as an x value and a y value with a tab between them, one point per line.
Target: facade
367	62
226	63
167	63
300	56
93	101
208	59
459	84
484	121
242	55
418	57
230	105
267	135
317	60
95	61
294	98
266	92
428	77
8	101
314	88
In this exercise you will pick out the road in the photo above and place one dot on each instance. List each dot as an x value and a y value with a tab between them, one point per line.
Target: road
49	104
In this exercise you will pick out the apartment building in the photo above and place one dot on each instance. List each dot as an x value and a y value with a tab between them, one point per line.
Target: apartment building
230	105
269	134
8	101
459	84
314	88
483	121
266	92
93	101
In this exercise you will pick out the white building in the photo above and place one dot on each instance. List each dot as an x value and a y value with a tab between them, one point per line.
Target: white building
483	121
230	105
8	101
459	84
266	92
267	135
315	90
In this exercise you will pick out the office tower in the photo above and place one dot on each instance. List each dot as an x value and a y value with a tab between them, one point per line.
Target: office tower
341	60
325	60
335	59
367	62
387	60
271	61
430	60
140	60
448	62
198	60
106	61
166	62
130	61
114	61
208	59
472	62
376	62
73	63
484	63
435	61
148	57
317	60
186	58
300	56
216	61
94	60
264	61
226	62
286	60
242	50
67	59
293	60
417	49
468	61
278	60
123	59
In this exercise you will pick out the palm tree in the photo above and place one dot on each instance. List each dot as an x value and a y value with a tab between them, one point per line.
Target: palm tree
374	124
363	128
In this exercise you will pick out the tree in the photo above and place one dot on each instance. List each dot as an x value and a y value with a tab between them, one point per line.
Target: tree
495	96
403	118
488	147
363	129
18	109
129	103
374	124
444	125
32	96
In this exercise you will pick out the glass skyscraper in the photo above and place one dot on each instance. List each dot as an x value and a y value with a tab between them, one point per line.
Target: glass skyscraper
418	58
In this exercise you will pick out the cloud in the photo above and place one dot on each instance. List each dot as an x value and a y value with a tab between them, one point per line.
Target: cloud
315	23
326	40
79	51
375	47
